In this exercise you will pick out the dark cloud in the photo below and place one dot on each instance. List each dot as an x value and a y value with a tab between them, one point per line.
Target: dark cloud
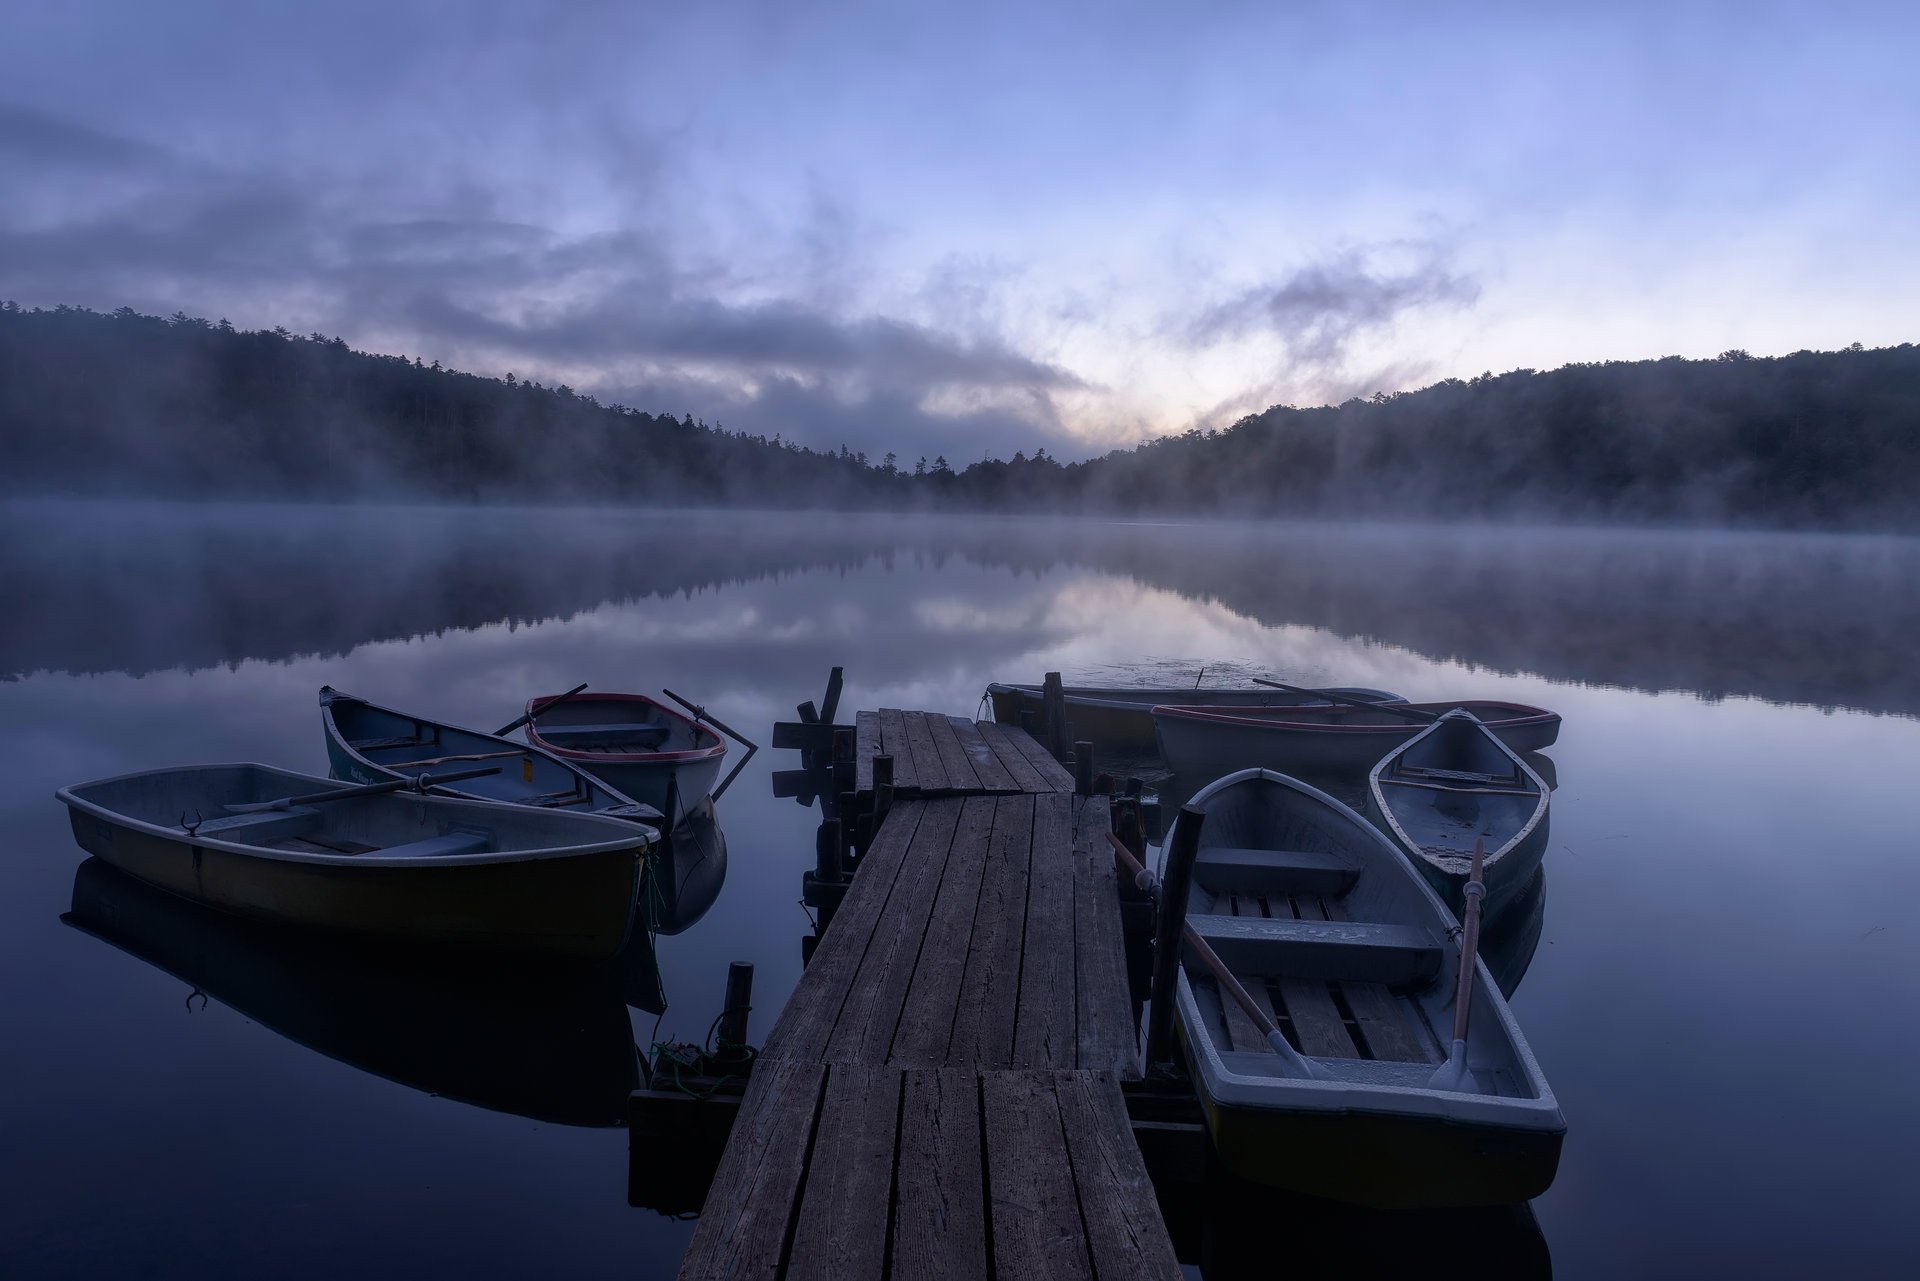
1320	309
626	313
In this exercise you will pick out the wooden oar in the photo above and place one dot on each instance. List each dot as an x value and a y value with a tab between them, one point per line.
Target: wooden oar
1297	1063
1398	709
1453	1074
513	725
419	781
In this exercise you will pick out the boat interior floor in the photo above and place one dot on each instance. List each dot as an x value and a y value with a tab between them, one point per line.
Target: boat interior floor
299	829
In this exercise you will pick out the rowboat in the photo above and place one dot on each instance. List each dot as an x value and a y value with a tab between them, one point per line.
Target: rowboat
634	745
1123	718
684	876
1450	785
424	869
505	1032
371	744
1323	740
1348	950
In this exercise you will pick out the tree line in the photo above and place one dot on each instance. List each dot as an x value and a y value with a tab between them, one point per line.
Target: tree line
122	403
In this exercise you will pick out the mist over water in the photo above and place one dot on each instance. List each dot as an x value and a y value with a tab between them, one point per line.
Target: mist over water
1717	996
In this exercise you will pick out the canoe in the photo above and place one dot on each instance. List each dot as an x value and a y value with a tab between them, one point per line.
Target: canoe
636	746
1323	740
1123	718
1454	783
423	869
548	1041
1319	916
371	744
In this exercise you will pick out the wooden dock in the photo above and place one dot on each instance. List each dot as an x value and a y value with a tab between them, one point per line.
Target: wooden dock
942	1095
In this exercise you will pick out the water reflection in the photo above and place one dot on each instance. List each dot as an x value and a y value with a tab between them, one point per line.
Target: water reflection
546	1041
1637	609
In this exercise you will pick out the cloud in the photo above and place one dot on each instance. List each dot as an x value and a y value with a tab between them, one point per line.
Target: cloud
627	313
1319	310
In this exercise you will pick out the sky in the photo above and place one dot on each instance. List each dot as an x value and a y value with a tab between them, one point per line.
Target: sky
971	229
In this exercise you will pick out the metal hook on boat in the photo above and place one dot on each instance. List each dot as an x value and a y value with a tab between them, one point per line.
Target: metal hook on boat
203	999
193	828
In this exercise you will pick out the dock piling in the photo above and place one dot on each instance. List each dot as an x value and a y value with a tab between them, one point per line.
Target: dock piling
739	1004
1083	768
1166	941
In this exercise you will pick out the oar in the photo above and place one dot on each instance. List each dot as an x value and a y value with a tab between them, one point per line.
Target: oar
1297	1063
420	781
1398	709
513	725
1453	1074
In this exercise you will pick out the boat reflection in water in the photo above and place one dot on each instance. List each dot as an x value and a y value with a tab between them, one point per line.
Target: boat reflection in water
546	1039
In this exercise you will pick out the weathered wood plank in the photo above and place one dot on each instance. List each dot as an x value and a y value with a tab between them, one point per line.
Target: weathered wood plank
939	1218
987	768
1117	1202
927	765
807	1022
927	1015
1242	1032
1317	1025
743	1231
953	757
878	989
1034	1211
893	741
842	1230
1053	775
1105	1031
983	1022
1044	1023
866	728
1025	777
1386	1024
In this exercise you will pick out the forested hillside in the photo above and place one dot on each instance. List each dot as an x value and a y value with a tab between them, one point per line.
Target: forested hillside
132	404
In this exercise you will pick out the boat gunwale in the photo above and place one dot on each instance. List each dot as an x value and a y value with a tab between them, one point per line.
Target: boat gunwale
1175	711
640	836
540	702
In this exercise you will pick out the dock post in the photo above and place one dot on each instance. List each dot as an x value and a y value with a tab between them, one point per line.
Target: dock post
1168	938
1053	710
1083	768
739	1003
844	748
882	788
828	845
847	806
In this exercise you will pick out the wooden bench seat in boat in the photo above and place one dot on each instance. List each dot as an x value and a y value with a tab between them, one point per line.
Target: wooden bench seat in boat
435	846
1397	955
1454	775
627	732
397	740
1232	870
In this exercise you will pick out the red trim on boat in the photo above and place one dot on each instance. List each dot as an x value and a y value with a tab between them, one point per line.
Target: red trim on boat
718	748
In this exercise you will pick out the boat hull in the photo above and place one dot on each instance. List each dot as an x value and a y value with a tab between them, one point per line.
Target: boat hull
1122	718
1379	1160
576	904
1201	742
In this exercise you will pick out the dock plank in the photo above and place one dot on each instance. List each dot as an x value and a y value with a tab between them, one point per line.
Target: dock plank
745	1235
987	768
1107	1036
953	757
806	1023
1053	774
1117	1201
929	1003
1025	777
940	1220
1044	1023
866	746
929	770
1033	1209
877	992
893	741
838	1233
988	1000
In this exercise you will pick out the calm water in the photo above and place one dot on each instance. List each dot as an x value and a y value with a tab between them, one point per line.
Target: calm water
1723	996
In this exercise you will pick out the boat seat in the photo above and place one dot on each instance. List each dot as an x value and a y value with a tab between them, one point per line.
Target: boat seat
651	735
1456	775
1397	955
260	828
393	740
1234	870
436	846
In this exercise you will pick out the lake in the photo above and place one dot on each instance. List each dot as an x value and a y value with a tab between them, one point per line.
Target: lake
1723	993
